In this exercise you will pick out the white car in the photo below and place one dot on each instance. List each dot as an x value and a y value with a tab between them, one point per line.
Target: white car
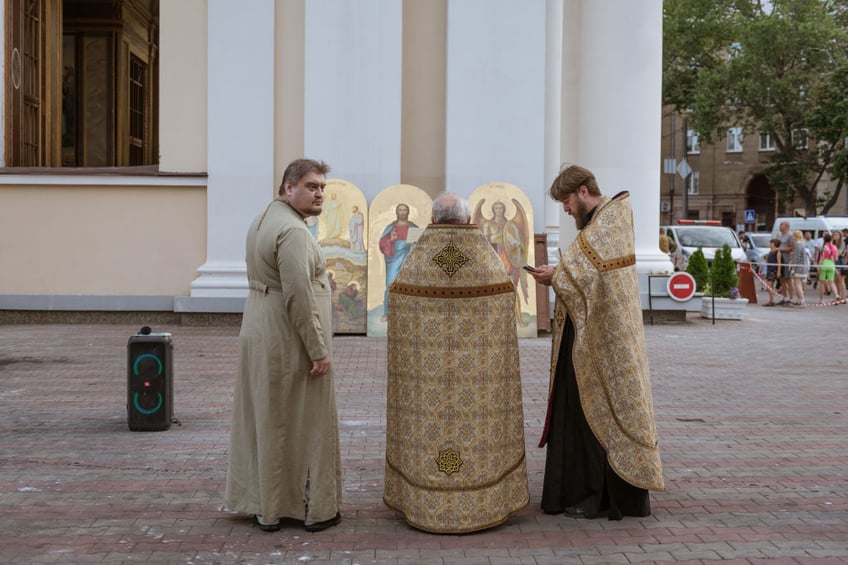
689	237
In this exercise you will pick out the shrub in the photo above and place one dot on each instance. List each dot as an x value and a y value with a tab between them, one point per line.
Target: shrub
724	276
697	267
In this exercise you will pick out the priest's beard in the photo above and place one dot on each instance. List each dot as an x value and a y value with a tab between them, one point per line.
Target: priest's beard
580	212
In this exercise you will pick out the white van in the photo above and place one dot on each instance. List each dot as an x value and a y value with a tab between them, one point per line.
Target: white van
814	225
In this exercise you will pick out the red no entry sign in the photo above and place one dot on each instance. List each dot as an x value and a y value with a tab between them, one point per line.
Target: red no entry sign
681	286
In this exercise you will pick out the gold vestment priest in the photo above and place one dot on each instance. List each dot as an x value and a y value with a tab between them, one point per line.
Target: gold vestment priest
597	288
454	423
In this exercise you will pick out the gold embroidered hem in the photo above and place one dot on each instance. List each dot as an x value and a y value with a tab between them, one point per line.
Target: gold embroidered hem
597	286
450	292
455	457
458	510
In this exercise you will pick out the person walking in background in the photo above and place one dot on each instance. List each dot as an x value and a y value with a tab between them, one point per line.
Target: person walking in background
772	268
787	243
810	245
839	276
827	267
667	245
602	452
799	269
817	248
284	445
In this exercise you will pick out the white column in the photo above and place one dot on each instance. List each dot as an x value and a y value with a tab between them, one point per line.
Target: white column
570	134
496	104
619	119
240	143
353	89
554	20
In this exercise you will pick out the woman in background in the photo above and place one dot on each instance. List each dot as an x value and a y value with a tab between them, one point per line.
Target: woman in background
827	268
839	277
799	269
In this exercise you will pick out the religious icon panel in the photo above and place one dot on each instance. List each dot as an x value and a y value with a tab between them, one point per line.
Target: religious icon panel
341	231
504	214
397	216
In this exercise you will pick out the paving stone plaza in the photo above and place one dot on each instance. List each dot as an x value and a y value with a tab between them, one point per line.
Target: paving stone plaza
752	420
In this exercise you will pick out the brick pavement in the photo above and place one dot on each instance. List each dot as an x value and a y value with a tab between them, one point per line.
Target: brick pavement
752	420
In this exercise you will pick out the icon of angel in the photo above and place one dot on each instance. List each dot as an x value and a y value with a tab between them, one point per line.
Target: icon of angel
509	237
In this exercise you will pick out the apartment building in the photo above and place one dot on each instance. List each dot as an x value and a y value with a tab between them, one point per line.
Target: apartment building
723	179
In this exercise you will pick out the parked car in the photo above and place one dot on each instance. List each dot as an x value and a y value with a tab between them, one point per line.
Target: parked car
709	236
756	245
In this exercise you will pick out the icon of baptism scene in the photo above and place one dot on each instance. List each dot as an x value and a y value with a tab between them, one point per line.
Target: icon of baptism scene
504	214
341	231
397	216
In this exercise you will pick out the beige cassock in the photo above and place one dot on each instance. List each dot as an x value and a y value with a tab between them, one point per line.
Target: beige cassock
284	449
455	423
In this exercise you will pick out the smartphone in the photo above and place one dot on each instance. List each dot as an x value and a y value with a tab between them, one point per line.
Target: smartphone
528	268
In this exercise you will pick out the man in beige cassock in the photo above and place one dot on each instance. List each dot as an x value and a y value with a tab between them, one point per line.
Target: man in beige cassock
284	444
602	454
454	423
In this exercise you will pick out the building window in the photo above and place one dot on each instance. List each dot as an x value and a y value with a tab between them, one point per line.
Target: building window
138	89
87	90
799	138
693	183
693	146
31	65
70	115
766	142
30	60
734	139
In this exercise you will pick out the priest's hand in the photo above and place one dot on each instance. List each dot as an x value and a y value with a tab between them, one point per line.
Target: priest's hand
543	274
320	367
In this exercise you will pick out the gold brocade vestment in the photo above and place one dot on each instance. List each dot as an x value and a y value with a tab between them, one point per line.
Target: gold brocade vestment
597	286
454	422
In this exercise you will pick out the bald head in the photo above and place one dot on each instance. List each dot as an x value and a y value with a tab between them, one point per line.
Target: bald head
450	208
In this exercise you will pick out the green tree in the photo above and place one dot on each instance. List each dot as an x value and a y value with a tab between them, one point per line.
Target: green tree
776	68
829	119
698	268
723	271
695	36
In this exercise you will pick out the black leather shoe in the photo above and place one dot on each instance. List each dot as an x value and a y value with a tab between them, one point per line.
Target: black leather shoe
318	526
574	512
275	527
